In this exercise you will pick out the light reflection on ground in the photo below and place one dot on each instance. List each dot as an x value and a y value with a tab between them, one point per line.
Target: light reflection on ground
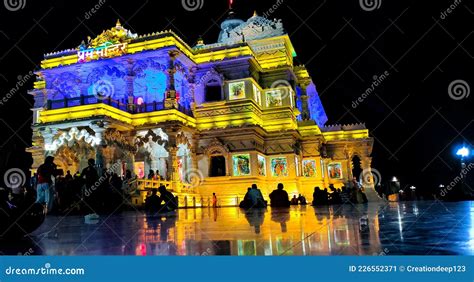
397	228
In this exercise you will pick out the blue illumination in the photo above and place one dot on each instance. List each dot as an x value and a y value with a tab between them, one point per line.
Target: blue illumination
151	85
316	108
463	152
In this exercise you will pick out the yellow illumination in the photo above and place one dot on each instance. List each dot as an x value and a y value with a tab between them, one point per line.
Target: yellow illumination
87	111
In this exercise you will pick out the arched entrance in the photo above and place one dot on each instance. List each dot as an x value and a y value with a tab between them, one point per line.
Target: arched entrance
356	167
73	157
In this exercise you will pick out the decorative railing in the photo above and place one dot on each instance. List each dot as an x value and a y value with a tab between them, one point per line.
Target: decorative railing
173	186
132	108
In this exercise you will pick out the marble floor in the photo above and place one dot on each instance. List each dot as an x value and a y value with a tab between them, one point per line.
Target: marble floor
408	228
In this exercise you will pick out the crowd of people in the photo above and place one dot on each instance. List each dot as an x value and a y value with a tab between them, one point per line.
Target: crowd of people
165	203
279	197
84	192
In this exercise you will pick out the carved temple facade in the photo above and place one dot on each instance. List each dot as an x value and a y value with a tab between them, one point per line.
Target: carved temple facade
215	117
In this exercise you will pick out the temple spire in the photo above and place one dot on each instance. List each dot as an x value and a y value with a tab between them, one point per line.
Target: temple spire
118	24
230	4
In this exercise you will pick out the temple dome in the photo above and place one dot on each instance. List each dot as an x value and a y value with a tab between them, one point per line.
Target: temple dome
256	27
229	24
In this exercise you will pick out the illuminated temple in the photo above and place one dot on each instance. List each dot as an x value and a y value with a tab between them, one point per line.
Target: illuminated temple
209	118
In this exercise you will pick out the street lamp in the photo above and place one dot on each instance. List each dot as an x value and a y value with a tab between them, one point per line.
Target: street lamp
463	152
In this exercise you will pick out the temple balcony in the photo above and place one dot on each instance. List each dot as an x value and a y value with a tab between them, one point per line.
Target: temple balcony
93	99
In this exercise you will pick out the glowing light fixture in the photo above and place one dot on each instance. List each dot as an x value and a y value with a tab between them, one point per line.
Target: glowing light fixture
463	152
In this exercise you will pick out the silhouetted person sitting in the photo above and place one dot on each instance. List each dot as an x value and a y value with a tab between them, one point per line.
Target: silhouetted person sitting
246	202
256	197
335	197
279	197
316	196
167	199
325	196
294	200
153	202
301	200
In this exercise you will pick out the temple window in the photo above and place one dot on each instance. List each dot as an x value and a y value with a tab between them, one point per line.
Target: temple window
213	91
217	166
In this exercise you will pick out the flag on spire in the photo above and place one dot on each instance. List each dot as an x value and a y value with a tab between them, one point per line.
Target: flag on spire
230	3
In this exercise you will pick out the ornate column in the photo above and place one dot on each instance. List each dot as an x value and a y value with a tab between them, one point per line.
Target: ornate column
173	168
99	129
170	95
305	113
129	79
192	88
194	146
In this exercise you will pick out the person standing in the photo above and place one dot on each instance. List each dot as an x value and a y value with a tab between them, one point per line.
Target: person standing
90	175
151	175
46	172
214	200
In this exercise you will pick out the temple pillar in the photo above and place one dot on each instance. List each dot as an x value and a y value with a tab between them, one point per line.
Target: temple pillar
99	129
173	168
305	113
170	96
48	136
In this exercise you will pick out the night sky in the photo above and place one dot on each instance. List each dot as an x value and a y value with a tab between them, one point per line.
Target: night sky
416	124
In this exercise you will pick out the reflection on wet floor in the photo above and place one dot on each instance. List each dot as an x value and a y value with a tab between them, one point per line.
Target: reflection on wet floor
387	229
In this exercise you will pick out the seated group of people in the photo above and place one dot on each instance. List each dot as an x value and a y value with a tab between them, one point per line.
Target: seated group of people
166	202
254	198
301	200
338	196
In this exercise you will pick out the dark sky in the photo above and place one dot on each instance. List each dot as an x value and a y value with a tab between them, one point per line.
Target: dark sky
415	122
